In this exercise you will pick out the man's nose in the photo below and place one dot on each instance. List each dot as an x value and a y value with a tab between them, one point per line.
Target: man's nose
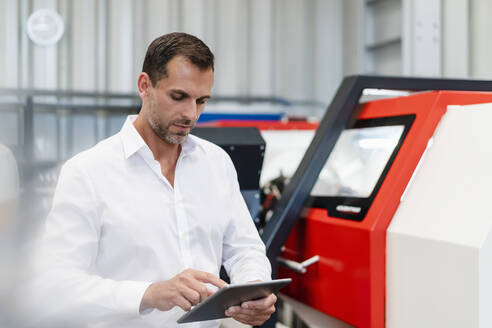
191	110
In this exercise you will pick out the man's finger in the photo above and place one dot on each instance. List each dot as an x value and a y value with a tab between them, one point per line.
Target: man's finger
209	278
235	310
251	312
183	303
191	295
201	289
263	303
232	310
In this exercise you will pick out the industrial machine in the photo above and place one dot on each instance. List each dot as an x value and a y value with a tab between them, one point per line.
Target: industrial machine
385	223
246	148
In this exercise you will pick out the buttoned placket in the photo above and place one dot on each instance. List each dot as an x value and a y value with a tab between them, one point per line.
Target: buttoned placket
182	218
179	208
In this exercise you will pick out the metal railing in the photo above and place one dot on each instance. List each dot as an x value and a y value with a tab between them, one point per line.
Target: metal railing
48	120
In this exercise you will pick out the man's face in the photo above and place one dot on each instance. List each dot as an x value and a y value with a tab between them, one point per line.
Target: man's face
176	101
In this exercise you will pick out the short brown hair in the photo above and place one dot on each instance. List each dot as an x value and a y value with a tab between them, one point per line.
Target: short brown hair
167	46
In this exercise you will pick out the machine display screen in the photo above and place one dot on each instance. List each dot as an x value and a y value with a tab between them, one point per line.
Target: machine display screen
357	161
357	166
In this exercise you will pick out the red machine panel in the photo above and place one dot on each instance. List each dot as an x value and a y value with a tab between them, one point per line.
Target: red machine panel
348	282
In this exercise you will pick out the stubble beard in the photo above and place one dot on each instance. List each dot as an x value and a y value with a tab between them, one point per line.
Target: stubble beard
164	132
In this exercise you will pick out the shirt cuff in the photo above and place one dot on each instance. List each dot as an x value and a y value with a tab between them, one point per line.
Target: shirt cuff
129	296
250	275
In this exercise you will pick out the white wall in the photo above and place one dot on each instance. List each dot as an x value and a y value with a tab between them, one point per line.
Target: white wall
481	47
353	37
456	38
286	48
439	38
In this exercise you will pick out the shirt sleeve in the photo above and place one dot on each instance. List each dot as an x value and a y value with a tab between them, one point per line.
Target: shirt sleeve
244	256
64	288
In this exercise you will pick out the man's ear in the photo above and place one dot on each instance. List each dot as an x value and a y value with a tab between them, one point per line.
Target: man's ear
144	84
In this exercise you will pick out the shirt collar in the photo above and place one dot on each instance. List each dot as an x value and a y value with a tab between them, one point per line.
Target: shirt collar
133	141
189	145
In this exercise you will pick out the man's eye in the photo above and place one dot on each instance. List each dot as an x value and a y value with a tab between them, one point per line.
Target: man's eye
177	97
201	101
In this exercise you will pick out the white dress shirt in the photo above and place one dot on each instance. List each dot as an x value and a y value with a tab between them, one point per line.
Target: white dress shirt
117	225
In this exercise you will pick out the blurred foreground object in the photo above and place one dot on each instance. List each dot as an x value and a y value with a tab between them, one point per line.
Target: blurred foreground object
9	190
9	177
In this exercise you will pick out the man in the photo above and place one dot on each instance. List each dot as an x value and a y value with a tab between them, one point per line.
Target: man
142	222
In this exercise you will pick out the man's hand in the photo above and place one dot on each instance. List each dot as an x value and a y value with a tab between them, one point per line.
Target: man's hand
184	290
253	313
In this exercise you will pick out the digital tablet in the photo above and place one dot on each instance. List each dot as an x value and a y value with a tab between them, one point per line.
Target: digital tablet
214	306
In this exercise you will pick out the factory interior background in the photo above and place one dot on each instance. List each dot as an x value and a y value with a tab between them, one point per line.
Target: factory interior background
65	87
291	50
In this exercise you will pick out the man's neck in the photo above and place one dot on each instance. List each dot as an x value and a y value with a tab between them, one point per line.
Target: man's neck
164	152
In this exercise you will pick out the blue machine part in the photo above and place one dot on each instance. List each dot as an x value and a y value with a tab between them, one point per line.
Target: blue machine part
210	117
